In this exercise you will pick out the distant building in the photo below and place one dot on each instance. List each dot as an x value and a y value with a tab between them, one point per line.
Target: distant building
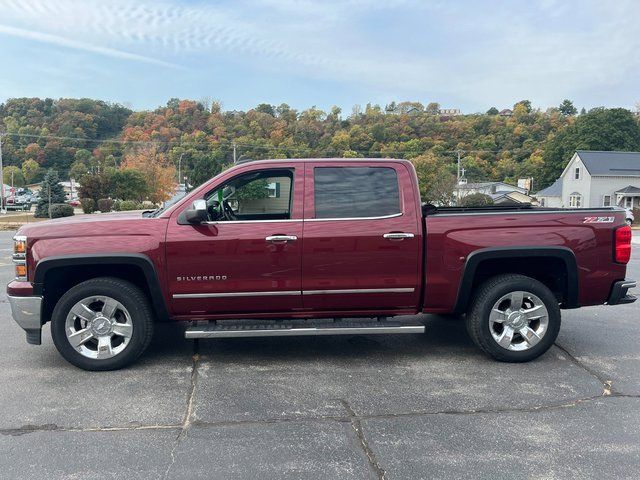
597	179
450	112
501	193
506	112
551	196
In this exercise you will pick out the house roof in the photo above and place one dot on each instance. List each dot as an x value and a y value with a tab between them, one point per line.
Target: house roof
619	164
554	190
629	189
481	185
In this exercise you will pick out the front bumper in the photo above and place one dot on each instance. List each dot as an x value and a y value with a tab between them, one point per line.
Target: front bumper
26	311
619	292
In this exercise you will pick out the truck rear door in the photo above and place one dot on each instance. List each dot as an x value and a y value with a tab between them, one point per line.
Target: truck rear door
362	237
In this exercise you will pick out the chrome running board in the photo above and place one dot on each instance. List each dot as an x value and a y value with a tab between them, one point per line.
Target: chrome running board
293	328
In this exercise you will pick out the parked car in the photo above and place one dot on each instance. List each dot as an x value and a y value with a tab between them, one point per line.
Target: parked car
630	218
300	240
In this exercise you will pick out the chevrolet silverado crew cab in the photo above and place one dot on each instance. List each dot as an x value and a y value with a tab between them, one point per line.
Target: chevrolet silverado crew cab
313	247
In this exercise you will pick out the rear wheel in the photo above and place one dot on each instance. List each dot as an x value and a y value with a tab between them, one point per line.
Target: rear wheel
514	318
102	324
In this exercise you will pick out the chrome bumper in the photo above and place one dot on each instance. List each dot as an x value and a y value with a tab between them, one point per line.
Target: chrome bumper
26	313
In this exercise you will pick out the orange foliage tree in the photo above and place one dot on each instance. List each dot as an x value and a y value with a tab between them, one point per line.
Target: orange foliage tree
159	173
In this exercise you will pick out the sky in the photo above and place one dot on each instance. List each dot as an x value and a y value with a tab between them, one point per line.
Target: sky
468	54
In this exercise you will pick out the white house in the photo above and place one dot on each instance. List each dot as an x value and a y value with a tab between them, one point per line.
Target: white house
551	196
597	179
500	192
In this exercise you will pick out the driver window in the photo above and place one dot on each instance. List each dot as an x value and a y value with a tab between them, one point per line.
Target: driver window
258	195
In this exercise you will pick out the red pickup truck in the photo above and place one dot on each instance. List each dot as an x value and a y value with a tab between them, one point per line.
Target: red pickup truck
313	247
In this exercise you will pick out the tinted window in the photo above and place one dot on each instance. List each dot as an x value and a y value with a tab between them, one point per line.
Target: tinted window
348	192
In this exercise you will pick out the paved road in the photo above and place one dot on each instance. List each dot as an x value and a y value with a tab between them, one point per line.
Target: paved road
395	407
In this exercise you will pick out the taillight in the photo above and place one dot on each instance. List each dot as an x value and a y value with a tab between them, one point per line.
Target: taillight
622	245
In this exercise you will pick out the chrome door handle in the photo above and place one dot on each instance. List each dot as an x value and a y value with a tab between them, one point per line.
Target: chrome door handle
397	235
281	238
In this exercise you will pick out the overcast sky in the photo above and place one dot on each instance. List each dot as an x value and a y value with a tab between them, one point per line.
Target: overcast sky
463	54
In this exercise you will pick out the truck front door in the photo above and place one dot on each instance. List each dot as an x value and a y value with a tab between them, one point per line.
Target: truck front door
247	257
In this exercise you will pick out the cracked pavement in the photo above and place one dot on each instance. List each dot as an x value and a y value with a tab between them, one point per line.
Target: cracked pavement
393	407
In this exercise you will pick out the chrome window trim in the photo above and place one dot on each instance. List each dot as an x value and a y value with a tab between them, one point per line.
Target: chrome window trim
393	215
252	221
358	290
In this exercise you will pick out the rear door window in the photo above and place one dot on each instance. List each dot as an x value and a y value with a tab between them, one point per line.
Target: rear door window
355	192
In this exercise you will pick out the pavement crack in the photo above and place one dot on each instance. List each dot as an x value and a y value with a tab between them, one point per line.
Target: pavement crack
364	444
187	421
606	384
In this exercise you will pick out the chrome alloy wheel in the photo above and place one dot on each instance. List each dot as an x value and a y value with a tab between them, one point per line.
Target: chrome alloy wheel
98	327
518	321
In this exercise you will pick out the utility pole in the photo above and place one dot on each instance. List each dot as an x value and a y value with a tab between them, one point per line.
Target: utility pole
234	153
180	168
459	176
459	152
2	201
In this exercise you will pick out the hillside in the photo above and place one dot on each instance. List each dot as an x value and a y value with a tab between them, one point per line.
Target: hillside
73	136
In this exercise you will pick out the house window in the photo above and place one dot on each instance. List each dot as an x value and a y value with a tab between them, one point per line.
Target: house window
273	189
628	202
606	201
575	200
577	173
542	202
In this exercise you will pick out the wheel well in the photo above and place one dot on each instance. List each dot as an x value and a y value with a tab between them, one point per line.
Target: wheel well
555	268
550	271
58	280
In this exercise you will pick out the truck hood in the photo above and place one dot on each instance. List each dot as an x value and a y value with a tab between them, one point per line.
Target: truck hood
100	224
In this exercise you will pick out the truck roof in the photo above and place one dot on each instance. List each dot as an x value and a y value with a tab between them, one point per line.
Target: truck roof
331	159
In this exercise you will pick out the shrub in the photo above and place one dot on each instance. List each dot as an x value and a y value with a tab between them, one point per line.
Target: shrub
146	204
116	205
61	210
127	205
476	200
88	205
105	204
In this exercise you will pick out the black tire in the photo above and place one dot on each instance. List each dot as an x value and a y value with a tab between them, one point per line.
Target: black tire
488	294
130	296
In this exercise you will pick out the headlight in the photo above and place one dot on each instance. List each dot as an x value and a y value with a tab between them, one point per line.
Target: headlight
20	257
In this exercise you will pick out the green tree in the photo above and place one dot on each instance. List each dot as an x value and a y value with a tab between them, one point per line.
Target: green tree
13	176
493	111
51	191
599	129
31	170
78	170
129	184
567	108
95	186
476	200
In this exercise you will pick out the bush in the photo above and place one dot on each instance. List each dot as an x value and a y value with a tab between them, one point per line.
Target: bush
105	204
476	200
116	205
88	205
127	205
61	210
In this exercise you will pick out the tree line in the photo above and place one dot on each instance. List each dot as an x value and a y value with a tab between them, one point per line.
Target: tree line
135	155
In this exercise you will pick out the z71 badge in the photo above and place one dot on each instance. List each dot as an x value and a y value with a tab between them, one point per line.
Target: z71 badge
598	219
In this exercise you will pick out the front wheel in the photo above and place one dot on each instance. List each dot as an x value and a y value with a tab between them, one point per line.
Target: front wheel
102	324
514	318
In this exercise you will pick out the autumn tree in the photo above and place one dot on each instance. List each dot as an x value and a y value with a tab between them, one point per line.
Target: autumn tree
159	174
13	176
31	170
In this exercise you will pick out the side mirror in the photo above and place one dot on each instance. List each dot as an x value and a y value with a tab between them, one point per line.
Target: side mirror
197	213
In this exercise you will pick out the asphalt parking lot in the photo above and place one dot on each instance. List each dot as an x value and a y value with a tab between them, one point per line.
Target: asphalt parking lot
393	407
